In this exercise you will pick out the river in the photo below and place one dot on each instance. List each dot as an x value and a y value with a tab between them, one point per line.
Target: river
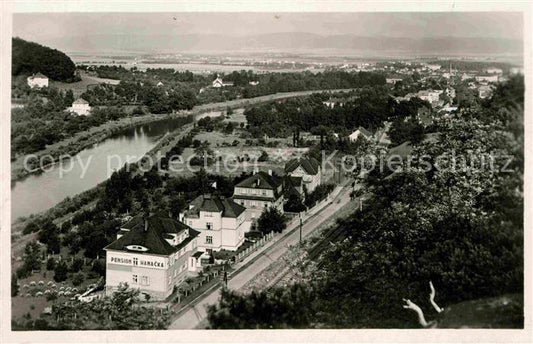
40	192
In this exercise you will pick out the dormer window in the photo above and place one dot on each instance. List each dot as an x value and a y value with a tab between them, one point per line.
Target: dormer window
137	248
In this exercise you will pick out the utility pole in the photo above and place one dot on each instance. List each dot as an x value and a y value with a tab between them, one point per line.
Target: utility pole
300	214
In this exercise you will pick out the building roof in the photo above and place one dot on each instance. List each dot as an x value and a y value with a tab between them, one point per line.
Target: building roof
255	197
310	165
152	236
361	130
39	75
261	180
197	254
364	132
214	203
296	181
80	101
292	185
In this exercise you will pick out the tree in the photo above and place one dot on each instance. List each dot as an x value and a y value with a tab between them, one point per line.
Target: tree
294	203
77	264
49	235
32	256
280	309
176	205
29	58
271	219
14	285
60	271
78	279
263	157
229	111
203	150
228	129
50	264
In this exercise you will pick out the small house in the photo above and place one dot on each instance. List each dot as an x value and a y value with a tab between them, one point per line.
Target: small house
37	81
81	107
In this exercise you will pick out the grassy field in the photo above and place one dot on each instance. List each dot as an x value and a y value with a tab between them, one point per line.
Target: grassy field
237	117
81	86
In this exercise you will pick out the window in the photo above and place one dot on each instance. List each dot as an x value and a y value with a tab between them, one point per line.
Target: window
264	192
135	261
134	279
208	239
145	280
209	225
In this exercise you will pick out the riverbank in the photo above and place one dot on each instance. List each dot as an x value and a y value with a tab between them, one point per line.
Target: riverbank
89	138
81	141
165	143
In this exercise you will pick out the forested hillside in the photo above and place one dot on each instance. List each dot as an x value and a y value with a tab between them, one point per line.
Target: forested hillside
29	58
461	228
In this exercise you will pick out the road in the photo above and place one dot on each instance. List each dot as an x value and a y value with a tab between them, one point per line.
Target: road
259	261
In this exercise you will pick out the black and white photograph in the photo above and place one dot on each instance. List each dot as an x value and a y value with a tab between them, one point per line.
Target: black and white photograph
175	166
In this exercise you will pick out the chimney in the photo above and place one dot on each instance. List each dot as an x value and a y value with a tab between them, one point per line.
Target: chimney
146	224
269	172
256	169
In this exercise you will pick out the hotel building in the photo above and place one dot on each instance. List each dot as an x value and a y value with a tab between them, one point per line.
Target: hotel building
153	254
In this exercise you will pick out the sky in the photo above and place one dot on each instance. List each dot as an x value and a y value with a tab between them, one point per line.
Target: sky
414	25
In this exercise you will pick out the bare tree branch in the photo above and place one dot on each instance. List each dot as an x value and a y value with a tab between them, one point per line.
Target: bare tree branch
412	306
432	298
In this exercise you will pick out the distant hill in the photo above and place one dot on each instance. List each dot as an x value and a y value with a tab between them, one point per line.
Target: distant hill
296	41
29	58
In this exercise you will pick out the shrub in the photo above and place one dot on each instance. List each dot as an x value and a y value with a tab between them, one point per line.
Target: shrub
78	279
50	264
60	272
263	157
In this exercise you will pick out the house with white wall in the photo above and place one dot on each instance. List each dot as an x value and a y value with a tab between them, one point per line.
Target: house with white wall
306	172
258	192
360	132
81	107
152	254
220	221
37	80
218	82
